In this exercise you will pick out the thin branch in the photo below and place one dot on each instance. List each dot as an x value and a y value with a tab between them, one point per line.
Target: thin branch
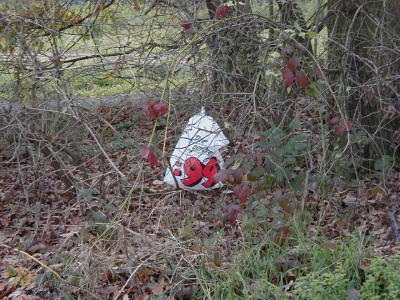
36	260
126	282
102	150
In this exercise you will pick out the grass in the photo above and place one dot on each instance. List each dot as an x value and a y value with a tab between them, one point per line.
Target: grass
303	267
262	269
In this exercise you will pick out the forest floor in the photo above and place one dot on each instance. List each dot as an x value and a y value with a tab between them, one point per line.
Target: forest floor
134	237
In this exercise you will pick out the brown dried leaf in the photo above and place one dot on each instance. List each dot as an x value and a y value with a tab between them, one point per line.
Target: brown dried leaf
159	287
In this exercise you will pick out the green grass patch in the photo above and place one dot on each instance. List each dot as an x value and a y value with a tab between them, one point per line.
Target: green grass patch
302	267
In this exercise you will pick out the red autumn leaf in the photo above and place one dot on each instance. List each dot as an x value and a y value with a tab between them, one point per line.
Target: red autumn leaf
339	129
153	109
153	159
288	76
159	109
301	79
147	152
221	11
334	120
232	210
349	126
242	192
293	63
185	24
147	108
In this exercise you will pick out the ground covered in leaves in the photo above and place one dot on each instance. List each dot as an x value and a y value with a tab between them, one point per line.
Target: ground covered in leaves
134	237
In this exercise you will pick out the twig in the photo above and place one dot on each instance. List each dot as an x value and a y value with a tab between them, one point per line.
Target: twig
126	282
61	172
102	150
395	226
172	173
31	257
8	291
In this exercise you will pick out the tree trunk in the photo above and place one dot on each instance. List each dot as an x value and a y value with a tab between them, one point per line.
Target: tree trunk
364	49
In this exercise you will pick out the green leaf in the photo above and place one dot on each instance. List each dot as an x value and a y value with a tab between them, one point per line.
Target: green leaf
297	26
256	174
11	271
49	275
40	278
262	211
249	224
298	187
282	149
84	235
98	217
295	124
312	34
236	165
283	174
300	138
107	132
378	165
187	232
311	91
387	158
301	146
100	229
74	281
381	163
66	296
290	159
212	241
258	171
299	178
88	193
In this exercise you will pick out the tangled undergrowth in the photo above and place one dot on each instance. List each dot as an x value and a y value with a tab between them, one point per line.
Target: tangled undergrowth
134	237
